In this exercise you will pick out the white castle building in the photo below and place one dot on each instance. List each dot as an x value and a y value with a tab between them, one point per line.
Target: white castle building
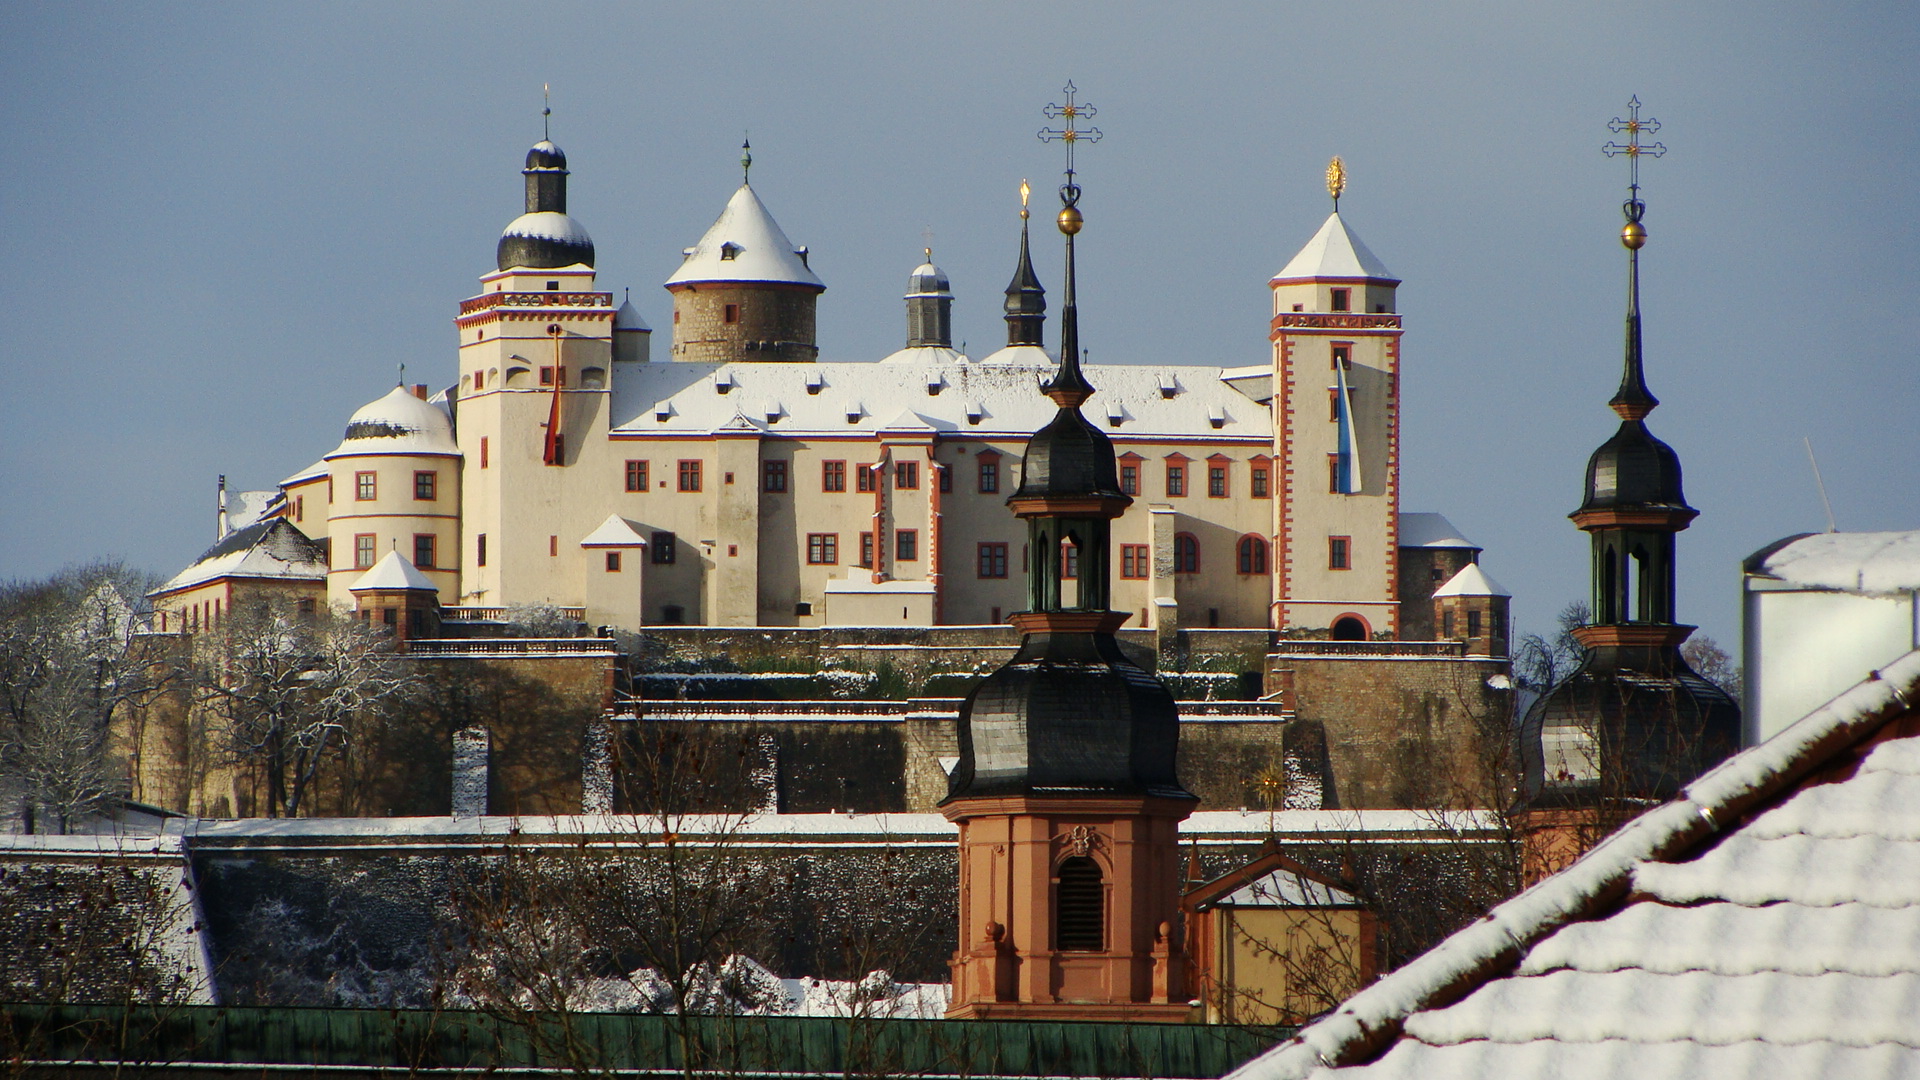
741	480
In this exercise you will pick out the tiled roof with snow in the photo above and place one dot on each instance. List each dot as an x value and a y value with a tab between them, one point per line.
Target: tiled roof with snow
265	549
1151	401
745	244
1470	581
1431	530
1874	563
398	423
1334	252
394	572
1786	945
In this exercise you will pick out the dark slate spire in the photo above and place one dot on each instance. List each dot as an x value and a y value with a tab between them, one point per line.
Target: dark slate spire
1069	387
1026	300
1633	401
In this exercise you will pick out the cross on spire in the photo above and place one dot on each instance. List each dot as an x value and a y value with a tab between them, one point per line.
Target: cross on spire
1070	133
1633	126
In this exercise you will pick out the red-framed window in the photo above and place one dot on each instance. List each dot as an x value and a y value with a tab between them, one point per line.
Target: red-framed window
866	477
1069	562
906	545
1135	561
1186	553
823	549
1216	479
613	562
906	475
773	476
833	476
426	485
423	550
1339	553
1176	479
866	549
636	476
1260	477
363	550
988	465
1252	553
993	560
366	486
689	475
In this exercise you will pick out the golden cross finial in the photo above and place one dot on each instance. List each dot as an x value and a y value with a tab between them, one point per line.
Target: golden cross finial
1069	133
1336	180
1633	148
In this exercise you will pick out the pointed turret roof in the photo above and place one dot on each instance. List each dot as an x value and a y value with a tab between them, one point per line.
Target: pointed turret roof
745	244
394	572
616	531
1470	581
1335	252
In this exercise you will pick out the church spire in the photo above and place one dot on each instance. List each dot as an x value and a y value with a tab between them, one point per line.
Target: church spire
1069	388
1026	305
1633	401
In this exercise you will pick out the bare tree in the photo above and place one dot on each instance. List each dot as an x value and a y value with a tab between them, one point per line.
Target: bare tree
1540	663
72	654
1712	663
294	692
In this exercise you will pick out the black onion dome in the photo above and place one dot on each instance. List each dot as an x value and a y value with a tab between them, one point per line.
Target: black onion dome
1642	717
1069	457
1069	714
545	157
1634	469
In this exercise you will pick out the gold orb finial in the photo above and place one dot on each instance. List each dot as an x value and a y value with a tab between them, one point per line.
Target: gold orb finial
1336	179
1634	236
1070	220
1025	193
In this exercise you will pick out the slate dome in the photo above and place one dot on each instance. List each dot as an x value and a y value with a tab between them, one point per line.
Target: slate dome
1634	469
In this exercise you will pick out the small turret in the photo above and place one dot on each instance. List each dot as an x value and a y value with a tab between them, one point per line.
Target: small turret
1026	300
544	237
929	306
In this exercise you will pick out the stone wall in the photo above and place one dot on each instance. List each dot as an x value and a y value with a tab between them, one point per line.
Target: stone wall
770	322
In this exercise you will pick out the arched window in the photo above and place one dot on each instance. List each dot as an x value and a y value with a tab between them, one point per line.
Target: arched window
1080	915
1349	628
1253	555
1186	553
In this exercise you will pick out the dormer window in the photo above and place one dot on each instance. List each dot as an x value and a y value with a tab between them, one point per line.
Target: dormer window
854	412
722	382
730	251
1217	416
663	411
1116	415
1169	386
553	286
1342	299
935	383
802	252
974	413
815	382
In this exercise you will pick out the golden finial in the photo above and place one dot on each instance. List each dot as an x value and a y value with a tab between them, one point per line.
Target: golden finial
1336	180
929	252
1025	192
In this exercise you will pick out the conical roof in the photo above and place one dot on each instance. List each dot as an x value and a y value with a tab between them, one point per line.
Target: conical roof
627	317
745	244
1470	581
1335	252
394	572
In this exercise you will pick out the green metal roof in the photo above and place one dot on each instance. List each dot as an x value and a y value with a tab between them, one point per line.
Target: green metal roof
346	1041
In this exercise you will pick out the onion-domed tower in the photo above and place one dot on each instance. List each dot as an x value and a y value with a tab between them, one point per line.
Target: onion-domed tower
544	237
1066	791
1026	305
1634	723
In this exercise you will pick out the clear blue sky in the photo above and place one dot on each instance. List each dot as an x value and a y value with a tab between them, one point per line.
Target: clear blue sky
222	226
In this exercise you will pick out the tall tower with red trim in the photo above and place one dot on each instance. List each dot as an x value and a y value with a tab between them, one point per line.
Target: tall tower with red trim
1336	379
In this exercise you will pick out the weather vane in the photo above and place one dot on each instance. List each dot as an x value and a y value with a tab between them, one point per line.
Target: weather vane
746	159
1634	127
1336	180
546	111
1070	133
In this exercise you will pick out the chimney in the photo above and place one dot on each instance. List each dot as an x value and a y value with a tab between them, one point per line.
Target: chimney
220	529
420	391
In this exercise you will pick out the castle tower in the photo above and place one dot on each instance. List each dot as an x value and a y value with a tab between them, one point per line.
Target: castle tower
397	596
537	345
394	484
929	307
744	292
1634	723
1066	792
1026	305
1336	366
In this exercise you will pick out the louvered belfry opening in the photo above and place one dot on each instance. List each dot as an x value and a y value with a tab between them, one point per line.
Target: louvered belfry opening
1081	916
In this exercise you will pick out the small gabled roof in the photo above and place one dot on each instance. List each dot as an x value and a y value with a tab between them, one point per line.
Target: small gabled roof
1273	880
1431	531
271	548
616	531
1470	581
1334	252
1765	923
745	244
393	573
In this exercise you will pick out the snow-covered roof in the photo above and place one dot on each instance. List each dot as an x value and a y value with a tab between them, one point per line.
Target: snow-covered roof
1020	356
1287	885
398	423
616	531
745	244
1255	381
246	507
988	400
1874	563
1334	252
1431	530
316	471
1470	581
265	549
548	225
392	573
858	583
1786	945
927	354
